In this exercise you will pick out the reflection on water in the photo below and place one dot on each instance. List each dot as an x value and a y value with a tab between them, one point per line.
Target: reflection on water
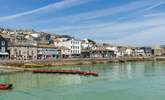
114	78
29	80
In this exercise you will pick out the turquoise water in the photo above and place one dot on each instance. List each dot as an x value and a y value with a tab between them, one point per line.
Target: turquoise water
124	81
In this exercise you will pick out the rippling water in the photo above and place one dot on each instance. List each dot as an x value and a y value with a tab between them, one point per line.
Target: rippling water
124	81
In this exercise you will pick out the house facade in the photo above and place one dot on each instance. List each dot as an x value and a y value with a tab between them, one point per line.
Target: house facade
23	52
73	45
87	44
158	51
147	51
121	51
3	48
139	52
45	52
22	46
65	52
99	51
129	52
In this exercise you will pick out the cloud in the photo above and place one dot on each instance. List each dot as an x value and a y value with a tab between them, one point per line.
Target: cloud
153	6
155	14
56	6
133	24
135	32
113	26
124	8
151	36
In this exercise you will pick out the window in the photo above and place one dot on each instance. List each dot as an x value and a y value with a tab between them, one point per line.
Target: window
3	49
32	52
19	52
3	42
28	53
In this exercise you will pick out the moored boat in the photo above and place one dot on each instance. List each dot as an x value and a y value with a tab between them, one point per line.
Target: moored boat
5	86
90	73
57	71
66	72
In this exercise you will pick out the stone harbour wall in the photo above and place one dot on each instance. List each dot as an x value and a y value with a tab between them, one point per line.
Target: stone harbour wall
75	61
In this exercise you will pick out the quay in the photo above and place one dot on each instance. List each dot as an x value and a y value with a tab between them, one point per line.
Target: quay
24	65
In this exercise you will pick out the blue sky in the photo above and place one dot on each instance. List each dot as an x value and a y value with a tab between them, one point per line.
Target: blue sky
128	22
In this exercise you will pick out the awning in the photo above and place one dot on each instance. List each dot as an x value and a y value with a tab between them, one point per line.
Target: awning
48	53
4	53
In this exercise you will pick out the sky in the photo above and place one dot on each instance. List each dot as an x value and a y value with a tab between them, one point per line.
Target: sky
125	22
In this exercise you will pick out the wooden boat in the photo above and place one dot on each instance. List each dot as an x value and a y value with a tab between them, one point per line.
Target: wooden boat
90	73
57	71
5	86
66	72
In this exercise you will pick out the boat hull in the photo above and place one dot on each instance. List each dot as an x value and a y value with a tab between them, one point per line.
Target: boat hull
5	86
66	72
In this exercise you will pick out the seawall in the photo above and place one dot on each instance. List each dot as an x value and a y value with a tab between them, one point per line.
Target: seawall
75	61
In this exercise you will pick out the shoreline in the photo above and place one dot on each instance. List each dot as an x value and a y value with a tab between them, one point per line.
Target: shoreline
10	69
63	62
10	66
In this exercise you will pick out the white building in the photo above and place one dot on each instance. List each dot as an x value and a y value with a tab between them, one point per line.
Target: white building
65	52
121	51
87	44
73	45
139	52
113	48
129	52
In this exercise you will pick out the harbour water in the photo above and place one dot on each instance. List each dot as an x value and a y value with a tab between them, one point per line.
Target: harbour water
116	81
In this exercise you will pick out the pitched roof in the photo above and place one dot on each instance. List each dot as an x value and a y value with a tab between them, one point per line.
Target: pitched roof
45	46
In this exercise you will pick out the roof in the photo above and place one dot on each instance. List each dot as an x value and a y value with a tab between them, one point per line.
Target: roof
63	48
20	45
34	35
5	36
45	46
56	39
